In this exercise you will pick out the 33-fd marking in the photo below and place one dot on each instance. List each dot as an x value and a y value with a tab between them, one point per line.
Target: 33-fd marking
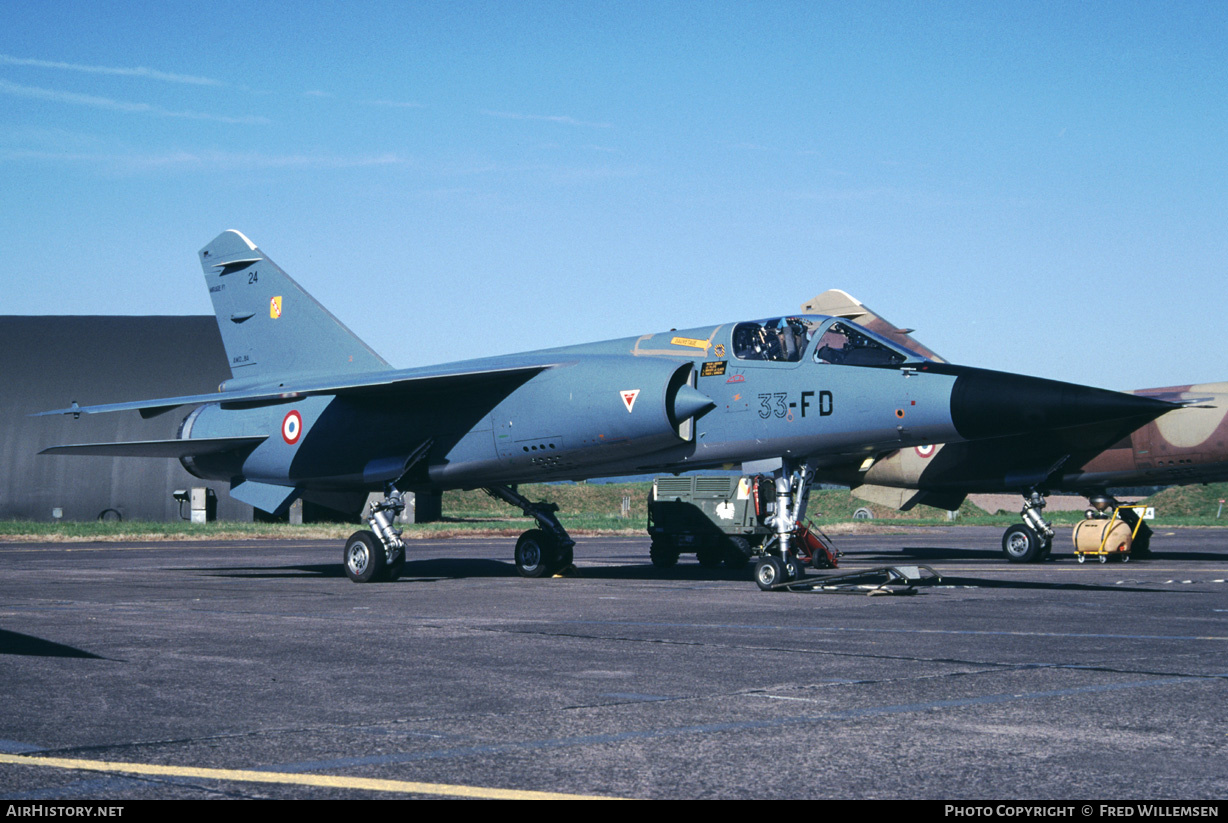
292	427
778	404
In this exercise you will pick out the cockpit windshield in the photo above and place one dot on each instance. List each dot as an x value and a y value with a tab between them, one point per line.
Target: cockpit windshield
782	340
844	344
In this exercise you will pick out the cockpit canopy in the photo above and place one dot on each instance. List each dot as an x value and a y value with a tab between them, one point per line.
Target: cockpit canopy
845	344
782	340
839	342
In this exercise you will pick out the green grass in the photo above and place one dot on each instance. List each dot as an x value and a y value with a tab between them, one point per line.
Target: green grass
592	508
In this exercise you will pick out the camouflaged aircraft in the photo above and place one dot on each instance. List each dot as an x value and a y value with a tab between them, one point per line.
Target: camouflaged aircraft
311	412
1188	444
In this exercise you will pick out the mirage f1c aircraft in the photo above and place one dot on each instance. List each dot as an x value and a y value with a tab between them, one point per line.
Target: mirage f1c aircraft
311	412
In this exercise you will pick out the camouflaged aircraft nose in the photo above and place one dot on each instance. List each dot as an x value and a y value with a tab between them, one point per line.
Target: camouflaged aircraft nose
988	404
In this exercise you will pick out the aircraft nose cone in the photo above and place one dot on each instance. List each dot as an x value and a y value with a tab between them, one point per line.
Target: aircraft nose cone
997	404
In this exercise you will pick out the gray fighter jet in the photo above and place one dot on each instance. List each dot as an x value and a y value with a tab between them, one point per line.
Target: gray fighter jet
311	412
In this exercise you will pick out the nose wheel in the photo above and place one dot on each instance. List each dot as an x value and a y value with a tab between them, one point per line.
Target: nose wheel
771	571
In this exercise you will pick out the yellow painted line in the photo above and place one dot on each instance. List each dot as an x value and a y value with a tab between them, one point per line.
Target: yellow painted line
323	780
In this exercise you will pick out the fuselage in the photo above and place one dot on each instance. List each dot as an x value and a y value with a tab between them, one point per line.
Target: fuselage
674	401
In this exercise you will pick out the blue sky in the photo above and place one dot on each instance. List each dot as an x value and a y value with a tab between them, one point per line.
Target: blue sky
1035	187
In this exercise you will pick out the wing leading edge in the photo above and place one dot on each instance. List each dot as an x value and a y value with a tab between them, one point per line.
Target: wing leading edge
160	448
381	384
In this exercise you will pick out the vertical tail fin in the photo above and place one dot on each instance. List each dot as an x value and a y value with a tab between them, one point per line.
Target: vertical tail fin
271	327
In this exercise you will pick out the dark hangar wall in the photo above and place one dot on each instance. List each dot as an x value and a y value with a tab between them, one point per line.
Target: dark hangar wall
48	362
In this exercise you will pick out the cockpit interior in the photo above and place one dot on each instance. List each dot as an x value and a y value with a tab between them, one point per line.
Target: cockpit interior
839	343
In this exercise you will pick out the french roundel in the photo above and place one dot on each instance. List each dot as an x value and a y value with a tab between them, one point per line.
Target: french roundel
292	427
926	450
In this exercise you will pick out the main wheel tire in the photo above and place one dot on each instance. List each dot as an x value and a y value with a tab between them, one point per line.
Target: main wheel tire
364	558
768	572
1020	544
536	554
663	554
738	553
709	556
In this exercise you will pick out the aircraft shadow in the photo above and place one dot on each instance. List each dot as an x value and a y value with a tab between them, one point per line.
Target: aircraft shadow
426	571
933	553
28	645
434	568
1208	557
1037	585
953	553
452	568
698	574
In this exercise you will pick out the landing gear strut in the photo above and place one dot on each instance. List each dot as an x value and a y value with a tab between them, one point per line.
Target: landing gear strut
539	552
779	562
1031	540
380	553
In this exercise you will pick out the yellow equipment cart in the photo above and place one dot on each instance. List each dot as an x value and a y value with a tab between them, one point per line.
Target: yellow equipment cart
1106	536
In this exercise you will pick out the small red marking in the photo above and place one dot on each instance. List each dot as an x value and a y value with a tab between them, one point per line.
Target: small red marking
628	396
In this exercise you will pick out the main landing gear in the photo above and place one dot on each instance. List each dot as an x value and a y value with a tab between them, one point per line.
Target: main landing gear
540	552
377	555
1031	540
780	562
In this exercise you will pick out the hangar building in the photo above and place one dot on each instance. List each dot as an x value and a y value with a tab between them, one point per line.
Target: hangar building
48	362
